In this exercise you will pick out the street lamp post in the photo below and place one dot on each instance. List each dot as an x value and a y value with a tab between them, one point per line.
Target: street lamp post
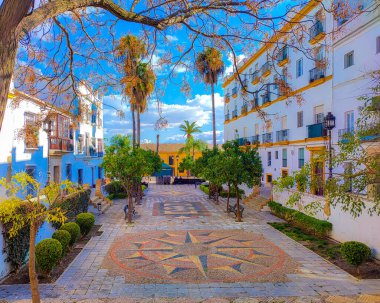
329	124
47	129
177	157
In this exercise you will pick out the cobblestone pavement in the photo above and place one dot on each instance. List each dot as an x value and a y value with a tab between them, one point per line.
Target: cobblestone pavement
195	252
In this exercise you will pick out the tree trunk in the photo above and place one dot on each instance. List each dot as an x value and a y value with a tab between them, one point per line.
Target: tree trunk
238	214
138	127
32	264
213	117
11	14
228	198
133	126
130	206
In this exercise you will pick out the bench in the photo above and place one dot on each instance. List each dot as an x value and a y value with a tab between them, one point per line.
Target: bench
233	209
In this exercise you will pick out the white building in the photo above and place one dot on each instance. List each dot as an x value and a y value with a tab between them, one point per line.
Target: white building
75	150
292	132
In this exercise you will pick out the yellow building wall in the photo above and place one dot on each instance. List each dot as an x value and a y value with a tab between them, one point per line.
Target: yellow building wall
165	157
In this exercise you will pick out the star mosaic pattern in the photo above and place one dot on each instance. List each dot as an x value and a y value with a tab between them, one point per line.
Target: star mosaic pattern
197	256
180	209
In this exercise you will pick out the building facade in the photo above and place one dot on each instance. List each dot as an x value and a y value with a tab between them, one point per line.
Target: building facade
288	125
73	150
171	156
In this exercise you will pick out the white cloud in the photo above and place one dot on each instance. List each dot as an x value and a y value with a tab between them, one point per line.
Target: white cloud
206	101
171	38
230	66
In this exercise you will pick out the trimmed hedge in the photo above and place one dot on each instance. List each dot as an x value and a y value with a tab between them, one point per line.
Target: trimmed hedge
355	253
73	229
85	221
64	237
48	254
300	220
222	194
115	187
74	204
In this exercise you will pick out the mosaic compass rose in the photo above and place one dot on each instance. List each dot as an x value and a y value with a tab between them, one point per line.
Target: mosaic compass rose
195	256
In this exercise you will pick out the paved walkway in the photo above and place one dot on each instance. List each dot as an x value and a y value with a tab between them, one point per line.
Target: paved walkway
184	248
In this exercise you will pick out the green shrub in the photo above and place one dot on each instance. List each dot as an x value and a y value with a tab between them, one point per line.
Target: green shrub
85	221
48	254
74	204
73	229
355	253
117	196
64	237
204	188
115	187
300	220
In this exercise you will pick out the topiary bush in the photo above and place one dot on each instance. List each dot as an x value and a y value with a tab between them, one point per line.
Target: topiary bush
355	253
48	254
74	204
85	221
73	229
64	237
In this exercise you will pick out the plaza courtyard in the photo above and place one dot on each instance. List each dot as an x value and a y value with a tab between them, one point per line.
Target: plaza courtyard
183	247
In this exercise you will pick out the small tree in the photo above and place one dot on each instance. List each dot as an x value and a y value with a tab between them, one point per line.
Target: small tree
32	212
239	166
129	165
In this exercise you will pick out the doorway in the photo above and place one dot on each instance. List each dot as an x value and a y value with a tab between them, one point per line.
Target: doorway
56	174
80	176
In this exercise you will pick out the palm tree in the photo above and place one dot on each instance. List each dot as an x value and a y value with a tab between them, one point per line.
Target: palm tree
130	50
210	66
190	128
138	86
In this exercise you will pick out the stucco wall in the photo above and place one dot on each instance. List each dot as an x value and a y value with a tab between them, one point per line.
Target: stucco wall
345	227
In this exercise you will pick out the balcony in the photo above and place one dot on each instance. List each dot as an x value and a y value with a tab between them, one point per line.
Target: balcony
282	135
255	77
317	32
227	117
316	130
255	101
61	145
227	98
343	134
265	98
234	113
282	57
93	119
316	73
267	138
255	139
266	69
234	92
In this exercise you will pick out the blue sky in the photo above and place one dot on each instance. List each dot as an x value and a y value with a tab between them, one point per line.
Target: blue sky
176	106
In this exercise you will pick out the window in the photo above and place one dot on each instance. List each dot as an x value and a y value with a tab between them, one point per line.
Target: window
349	59
269	158
284	157
269	178
276	154
299	66
301	157
100	172
171	160
300	119
256	129
31	130
31	171
284	173
378	45
318	114
349	121
68	171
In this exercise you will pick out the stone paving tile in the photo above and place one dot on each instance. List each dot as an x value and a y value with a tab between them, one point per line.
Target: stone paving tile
85	280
